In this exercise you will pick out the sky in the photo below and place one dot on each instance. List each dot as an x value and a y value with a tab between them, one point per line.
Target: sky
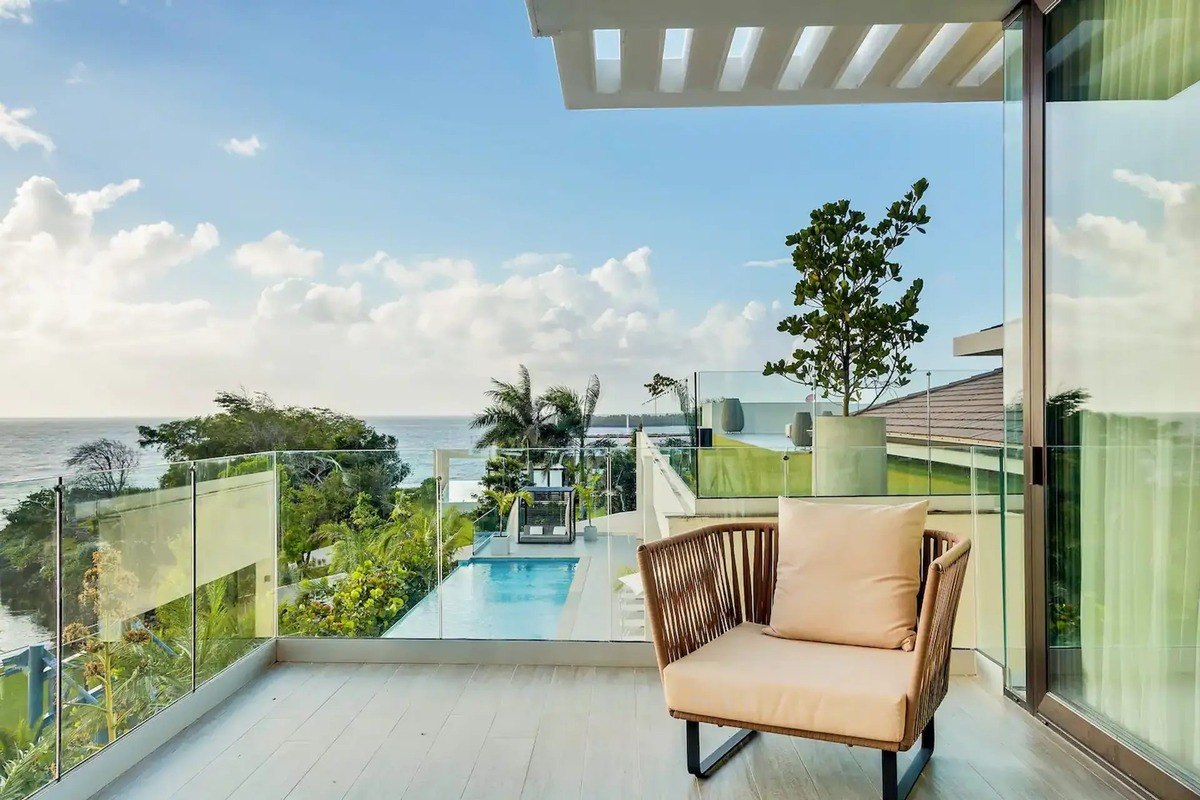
379	206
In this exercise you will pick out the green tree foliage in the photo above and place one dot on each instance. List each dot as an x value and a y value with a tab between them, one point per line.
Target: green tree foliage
516	416
402	548
503	474
854	340
622	463
573	410
103	466
309	513
254	424
364	604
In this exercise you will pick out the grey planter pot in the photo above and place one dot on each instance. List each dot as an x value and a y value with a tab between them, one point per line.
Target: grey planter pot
733	418
850	457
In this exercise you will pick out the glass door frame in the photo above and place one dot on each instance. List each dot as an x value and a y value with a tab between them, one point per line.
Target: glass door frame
1039	699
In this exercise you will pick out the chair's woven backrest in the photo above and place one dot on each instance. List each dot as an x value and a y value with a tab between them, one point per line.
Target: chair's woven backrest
712	579
749	553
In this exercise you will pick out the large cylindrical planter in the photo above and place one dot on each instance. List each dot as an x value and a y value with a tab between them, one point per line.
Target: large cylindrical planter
802	422
850	457
732	417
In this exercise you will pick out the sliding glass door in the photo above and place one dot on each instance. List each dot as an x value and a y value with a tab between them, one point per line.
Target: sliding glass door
1013	493
1122	348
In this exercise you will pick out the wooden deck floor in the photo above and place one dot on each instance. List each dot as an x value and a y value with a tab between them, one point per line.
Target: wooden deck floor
452	731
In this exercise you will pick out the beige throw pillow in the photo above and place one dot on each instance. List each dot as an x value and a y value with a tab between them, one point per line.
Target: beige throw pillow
848	574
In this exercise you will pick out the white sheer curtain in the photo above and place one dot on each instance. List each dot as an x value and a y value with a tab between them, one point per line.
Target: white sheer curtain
1139	529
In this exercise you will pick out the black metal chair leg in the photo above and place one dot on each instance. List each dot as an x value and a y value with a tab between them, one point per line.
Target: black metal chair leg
894	789
702	768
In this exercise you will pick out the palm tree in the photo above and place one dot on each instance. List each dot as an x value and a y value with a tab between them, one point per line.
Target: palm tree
504	501
515	416
573	411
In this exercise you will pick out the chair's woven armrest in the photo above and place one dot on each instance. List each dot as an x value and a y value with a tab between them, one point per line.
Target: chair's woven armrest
689	601
935	627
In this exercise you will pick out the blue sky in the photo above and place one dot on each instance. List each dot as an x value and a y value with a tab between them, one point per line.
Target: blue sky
438	132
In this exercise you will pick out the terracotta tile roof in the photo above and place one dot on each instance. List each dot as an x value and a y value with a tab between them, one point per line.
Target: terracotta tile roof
970	411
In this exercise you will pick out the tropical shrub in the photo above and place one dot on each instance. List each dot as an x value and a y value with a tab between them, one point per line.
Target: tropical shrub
363	604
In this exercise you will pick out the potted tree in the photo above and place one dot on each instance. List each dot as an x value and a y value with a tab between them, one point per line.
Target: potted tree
853	339
504	501
588	491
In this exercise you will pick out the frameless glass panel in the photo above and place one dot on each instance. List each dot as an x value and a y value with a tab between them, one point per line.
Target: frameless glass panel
987	551
358	543
127	602
1013	495
235	559
1122	345
611	495
27	638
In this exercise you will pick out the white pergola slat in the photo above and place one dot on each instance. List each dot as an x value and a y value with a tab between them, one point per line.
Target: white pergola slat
707	58
839	49
848	51
775	48
641	58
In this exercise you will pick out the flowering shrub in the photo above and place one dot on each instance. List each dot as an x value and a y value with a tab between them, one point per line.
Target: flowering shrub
364	604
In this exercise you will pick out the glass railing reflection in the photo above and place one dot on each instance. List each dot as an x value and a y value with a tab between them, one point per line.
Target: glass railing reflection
235	559
127	591
894	470
28	645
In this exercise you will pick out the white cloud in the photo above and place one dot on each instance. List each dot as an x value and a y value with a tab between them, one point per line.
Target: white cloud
72	313
16	9
79	74
532	260
14	131
423	274
247	148
1122	307
369	267
1164	191
774	262
318	302
277	256
627	279
101	309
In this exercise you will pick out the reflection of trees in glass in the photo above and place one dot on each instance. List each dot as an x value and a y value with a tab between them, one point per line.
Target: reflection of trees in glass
662	386
1063	554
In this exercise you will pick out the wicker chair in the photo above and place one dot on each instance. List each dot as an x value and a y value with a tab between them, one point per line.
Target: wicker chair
705	583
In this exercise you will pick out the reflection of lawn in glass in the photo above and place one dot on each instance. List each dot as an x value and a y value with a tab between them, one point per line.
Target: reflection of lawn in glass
737	469
14	699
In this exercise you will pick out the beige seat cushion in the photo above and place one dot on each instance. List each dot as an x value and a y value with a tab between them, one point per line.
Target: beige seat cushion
848	574
806	686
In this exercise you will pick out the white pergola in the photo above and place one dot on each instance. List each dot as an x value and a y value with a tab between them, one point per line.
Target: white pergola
679	53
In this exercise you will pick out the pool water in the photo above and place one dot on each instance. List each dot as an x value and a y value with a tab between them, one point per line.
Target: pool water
494	598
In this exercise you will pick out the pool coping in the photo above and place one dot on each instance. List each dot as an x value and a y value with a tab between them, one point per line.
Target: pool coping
566	622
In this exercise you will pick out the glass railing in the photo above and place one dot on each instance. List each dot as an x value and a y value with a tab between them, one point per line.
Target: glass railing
750	471
28	638
936	407
235	559
165	576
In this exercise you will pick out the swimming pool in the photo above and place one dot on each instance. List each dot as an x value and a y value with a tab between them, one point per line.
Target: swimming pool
494	598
